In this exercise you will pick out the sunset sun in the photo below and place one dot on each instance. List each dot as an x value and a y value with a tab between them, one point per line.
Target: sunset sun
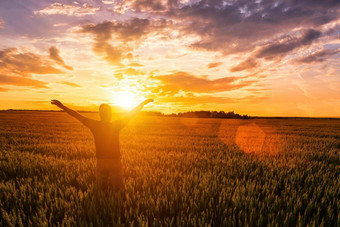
125	99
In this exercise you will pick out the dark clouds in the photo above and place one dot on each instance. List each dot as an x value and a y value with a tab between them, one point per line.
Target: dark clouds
281	47
318	56
239	25
228	27
187	82
128	30
149	5
122	33
224	26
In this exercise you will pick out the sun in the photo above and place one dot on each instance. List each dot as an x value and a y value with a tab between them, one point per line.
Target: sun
125	99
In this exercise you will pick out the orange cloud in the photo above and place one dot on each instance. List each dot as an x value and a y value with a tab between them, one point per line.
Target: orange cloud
197	99
135	64
21	81
214	64
192	100
69	84
12	61
18	66
3	89
248	64
187	82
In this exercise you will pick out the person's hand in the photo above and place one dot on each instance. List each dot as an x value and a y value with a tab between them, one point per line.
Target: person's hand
57	103
148	101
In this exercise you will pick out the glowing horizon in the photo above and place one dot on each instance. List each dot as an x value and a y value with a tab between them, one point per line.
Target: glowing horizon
261	58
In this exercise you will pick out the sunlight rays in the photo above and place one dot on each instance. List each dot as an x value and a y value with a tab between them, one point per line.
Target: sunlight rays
125	99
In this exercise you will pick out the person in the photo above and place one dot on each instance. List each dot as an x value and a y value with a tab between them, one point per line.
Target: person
106	137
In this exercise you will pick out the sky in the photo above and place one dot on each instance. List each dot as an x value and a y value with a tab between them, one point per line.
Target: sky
261	58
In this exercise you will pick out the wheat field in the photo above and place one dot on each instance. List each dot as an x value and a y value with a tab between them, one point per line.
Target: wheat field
177	172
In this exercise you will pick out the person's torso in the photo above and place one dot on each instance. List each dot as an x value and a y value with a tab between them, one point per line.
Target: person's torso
106	137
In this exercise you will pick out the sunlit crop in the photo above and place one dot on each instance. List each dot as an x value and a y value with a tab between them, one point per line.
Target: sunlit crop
178	172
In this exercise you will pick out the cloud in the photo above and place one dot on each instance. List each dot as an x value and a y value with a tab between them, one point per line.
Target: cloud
122	32
318	56
135	64
69	83
230	28
214	64
281	47
149	5
22	23
248	64
112	54
3	89
17	67
54	54
13	61
127	30
142	6
132	72
123	72
192	100
21	81
239	26
65	9
187	82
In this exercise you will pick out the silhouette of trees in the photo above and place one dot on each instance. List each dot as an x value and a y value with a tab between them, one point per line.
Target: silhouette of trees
211	114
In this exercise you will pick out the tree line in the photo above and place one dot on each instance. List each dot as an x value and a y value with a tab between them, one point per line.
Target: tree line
211	114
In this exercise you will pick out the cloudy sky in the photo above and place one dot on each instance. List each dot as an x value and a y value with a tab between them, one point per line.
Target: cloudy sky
262	57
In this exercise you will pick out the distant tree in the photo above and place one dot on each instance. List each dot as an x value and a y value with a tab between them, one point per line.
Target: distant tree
210	114
151	113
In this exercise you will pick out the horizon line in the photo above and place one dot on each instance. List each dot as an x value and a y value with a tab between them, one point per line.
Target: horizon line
251	116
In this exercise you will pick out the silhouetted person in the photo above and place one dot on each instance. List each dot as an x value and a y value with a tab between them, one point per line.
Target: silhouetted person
106	138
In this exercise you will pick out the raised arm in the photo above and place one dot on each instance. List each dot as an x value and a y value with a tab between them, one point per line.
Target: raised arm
73	113
135	111
138	108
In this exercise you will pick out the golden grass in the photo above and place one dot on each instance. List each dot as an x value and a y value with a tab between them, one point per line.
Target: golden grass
177	172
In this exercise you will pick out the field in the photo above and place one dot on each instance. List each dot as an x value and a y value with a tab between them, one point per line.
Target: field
178	172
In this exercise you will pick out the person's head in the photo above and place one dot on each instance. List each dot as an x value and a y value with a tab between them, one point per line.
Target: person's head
105	112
